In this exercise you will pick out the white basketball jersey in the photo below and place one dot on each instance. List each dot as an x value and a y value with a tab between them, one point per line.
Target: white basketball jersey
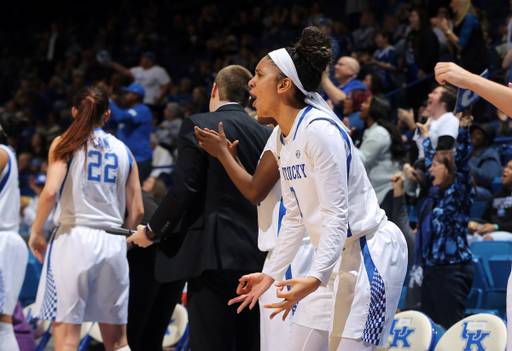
298	180
93	192
9	193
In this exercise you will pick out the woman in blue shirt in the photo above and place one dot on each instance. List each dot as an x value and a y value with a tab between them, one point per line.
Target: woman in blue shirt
441	243
467	36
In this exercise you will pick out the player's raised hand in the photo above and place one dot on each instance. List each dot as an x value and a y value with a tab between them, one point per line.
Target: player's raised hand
299	289
37	244
251	287
216	144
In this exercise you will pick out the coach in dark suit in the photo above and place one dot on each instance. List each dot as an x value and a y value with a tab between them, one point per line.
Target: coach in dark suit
208	231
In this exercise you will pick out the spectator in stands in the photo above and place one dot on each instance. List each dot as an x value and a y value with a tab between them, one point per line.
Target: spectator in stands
168	130
364	36
467	36
498	212
29	208
352	110
162	159
420	55
384	60
135	127
442	13
345	73
441	243
400	217
24	171
484	161
200	101
326	25
153	78
184	93
382	149
156	187
443	127
374	83
505	126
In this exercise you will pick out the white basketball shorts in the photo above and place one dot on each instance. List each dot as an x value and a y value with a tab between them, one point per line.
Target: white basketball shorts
13	264
368	287
85	277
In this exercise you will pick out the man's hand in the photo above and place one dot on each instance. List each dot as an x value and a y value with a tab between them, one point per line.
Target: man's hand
138	238
251	287
407	117
299	289
424	128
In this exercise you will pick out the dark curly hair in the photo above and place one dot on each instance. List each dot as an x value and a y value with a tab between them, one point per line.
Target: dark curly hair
311	56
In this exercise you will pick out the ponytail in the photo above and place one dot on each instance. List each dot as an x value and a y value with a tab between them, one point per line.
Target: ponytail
91	104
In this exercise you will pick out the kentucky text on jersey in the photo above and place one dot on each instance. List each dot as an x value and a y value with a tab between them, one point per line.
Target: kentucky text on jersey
294	172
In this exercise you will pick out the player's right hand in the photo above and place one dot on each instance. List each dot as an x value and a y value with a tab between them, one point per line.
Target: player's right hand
251	287
37	244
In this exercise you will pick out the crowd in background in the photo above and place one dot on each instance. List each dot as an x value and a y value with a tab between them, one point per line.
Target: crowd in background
174	51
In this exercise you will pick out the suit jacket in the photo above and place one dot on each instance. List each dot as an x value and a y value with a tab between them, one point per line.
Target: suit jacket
204	222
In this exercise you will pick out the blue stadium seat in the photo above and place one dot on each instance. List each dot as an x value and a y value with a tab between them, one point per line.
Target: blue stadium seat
487	249
496	185
477	209
475	298
500	267
412	213
480	280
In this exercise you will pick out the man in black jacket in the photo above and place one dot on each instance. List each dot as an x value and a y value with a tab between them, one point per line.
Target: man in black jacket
208	231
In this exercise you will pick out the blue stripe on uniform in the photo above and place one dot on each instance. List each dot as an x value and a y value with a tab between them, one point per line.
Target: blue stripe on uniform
7	175
49	304
130	159
300	120
374	327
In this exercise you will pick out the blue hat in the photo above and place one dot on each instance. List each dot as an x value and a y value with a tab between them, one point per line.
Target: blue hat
149	55
325	21
135	88
40	179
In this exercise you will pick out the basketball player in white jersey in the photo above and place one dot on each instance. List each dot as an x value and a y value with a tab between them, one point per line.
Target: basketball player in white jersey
85	272
275	334
13	250
326	190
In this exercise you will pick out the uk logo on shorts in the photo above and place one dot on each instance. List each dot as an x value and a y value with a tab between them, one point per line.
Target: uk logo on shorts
473	333
400	331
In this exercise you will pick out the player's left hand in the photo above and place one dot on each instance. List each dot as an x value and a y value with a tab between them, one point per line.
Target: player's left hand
299	289
138	238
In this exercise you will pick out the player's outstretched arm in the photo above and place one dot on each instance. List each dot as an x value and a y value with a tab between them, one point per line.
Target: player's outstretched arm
134	203
255	188
56	173
498	95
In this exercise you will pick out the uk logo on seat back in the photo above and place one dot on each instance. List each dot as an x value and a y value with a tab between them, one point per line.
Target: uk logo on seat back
401	331
473	333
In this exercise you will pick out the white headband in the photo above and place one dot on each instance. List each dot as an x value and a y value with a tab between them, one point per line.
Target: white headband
283	60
